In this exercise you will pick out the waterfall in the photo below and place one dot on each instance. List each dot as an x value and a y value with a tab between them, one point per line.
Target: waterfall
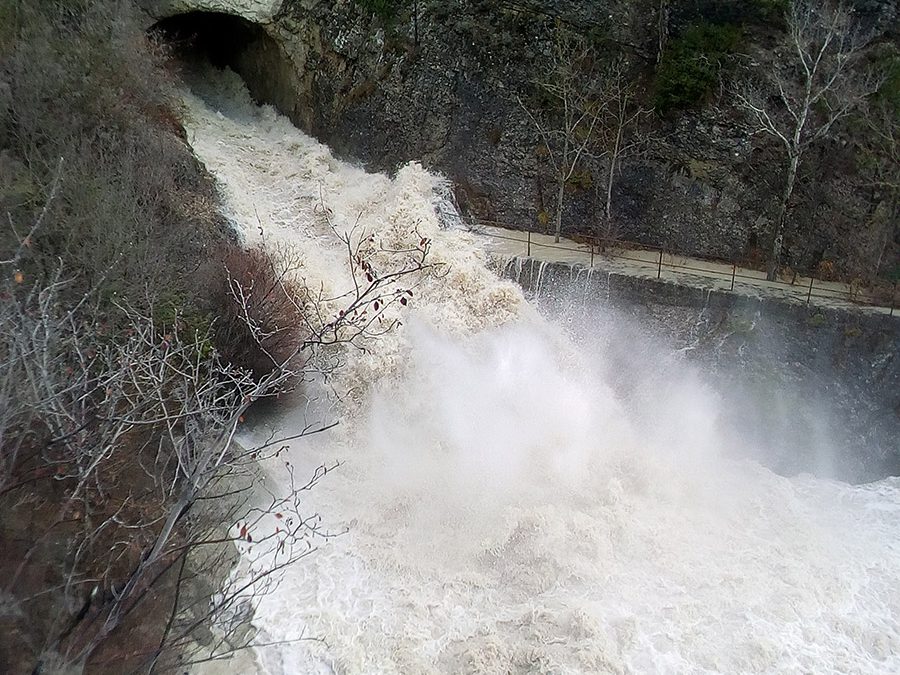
518	500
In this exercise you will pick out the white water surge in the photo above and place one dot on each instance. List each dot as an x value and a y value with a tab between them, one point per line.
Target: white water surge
508	511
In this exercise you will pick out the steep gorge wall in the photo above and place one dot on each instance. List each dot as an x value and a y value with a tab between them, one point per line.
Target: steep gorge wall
449	99
438	81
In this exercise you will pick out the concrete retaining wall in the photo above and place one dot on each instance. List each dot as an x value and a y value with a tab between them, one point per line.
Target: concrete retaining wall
783	368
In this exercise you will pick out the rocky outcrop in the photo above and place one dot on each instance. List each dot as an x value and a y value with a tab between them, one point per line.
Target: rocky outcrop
252	10
437	81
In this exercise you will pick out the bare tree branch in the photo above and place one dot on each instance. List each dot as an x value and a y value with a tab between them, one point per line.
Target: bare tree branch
80	404
799	103
567	115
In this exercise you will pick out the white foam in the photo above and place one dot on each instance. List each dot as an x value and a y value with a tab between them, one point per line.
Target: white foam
508	510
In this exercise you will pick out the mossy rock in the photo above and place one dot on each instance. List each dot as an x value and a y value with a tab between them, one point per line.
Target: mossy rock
700	169
816	320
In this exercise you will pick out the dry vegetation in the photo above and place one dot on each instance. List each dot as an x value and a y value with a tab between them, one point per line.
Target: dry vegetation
134	336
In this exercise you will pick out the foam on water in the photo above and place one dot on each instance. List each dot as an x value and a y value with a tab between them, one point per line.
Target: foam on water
508	509
277	181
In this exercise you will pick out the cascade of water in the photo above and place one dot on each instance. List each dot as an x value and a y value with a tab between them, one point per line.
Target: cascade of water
699	329
446	209
516	264
588	281
582	282
516	503
539	282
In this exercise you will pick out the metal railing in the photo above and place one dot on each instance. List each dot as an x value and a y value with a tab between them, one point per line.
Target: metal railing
801	287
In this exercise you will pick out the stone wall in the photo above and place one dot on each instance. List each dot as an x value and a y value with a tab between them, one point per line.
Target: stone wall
792	378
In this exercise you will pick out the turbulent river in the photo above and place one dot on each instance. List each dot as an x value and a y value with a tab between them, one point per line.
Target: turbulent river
513	502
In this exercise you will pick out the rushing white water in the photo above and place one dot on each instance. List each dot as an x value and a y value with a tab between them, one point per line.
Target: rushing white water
510	508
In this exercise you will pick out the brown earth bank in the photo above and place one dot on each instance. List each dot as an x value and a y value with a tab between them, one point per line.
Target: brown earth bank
113	258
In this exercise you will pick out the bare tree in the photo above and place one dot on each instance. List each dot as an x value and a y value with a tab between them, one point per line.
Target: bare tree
815	87
566	112
662	28
621	117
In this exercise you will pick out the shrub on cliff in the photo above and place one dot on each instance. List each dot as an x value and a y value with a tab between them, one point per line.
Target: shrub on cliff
257	308
110	395
690	67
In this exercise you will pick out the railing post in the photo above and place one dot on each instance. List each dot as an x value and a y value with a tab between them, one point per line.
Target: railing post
809	294
592	254
893	299
733	273
529	244
659	266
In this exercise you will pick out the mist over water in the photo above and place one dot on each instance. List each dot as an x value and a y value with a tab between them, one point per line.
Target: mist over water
522	495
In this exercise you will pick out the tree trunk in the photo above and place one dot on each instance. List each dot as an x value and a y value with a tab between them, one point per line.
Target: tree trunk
609	188
893	215
662	28
117	610
778	230
613	162
559	206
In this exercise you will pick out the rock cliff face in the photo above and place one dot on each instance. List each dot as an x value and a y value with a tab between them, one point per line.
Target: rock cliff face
449	98
251	10
388	81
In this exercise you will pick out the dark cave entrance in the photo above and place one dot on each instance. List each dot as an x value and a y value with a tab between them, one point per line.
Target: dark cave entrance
218	38
229	41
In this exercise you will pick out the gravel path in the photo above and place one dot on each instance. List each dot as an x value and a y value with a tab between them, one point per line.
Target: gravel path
705	274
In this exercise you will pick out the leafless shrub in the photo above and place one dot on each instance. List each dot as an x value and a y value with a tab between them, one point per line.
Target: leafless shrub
126	440
258	319
121	386
801	101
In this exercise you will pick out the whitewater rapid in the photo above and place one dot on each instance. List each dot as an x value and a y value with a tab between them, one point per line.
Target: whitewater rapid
509	507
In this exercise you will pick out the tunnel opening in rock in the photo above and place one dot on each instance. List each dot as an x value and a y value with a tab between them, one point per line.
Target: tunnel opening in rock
213	36
230	41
